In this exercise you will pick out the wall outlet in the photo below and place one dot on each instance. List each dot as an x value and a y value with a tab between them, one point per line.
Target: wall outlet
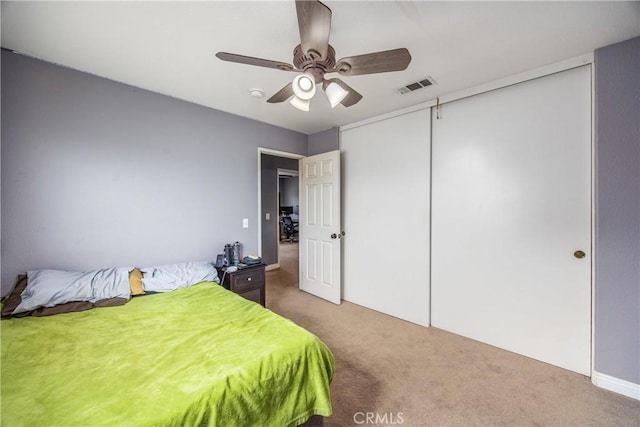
245	222
267	216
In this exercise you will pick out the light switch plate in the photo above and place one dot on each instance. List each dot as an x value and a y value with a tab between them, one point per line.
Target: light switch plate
245	222
267	216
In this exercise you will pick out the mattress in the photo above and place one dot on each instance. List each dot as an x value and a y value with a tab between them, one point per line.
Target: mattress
194	356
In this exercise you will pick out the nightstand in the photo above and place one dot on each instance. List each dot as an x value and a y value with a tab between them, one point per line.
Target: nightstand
248	282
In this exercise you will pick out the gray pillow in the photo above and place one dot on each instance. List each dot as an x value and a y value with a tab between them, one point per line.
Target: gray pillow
48	288
165	278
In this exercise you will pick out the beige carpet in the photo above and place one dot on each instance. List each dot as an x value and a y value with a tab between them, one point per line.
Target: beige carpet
392	372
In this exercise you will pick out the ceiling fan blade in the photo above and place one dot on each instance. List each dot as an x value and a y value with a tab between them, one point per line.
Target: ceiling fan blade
377	62
249	60
282	95
314	22
352	98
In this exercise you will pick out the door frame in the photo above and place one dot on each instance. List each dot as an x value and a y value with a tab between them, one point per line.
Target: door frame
569	63
277	153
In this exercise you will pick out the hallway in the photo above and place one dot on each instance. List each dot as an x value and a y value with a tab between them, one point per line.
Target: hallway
287	275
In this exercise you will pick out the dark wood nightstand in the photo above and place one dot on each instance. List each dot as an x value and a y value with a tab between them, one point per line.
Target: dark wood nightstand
248	282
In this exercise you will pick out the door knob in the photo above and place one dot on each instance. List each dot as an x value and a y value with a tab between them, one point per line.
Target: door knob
579	254
334	235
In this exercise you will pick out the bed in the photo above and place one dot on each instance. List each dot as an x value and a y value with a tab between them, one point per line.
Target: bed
198	355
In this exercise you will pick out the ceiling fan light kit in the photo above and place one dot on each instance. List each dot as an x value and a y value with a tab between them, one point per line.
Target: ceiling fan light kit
304	86
300	104
335	93
314	57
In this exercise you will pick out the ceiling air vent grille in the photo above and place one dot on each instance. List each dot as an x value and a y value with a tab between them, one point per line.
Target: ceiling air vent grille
427	81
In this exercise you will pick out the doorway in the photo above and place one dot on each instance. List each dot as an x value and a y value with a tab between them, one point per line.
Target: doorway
288	217
319	263
274	166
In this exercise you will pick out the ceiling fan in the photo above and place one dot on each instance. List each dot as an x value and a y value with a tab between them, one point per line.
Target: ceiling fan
314	57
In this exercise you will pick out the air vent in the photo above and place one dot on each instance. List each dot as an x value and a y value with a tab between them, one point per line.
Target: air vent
427	81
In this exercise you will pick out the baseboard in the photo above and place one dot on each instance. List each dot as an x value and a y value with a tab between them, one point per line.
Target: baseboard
272	266
616	385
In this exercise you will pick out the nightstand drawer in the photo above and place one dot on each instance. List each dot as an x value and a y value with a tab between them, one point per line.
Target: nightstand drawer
244	280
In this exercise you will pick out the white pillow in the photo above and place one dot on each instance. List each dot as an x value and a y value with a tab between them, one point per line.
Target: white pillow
47	288
165	278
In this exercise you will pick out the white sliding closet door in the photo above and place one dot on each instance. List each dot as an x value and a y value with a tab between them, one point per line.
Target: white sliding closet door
386	215
510	207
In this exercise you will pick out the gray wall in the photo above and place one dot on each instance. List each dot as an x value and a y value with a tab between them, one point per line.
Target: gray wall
269	181
289	189
617	293
96	173
322	142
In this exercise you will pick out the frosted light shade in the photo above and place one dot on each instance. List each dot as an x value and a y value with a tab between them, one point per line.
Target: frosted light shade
335	94
304	86
300	104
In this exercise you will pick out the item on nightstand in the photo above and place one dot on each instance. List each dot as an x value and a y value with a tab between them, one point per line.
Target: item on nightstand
228	253
219	260
236	253
252	260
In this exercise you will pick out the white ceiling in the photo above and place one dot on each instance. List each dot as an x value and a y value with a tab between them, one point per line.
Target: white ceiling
169	47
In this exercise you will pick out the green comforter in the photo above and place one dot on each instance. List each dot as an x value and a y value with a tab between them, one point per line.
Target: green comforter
195	356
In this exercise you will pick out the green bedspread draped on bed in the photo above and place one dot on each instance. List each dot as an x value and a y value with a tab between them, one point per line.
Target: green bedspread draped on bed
194	356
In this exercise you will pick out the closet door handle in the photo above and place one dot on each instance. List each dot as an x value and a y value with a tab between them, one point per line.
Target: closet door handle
579	254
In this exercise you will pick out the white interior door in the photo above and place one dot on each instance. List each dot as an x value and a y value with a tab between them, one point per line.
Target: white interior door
511	190
319	232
